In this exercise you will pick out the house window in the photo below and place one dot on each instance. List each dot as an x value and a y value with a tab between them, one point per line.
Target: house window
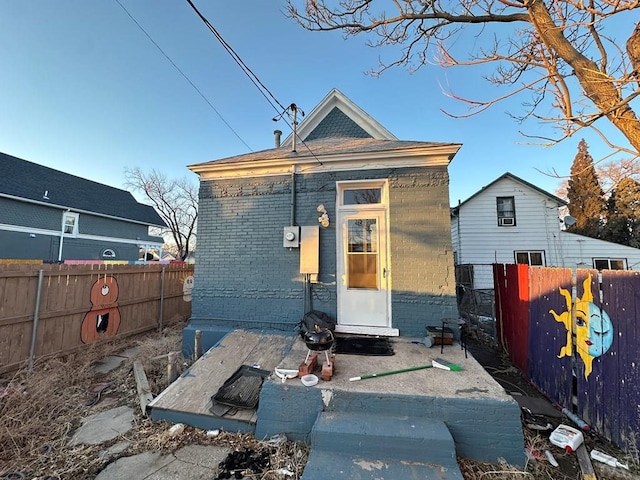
362	193
506	208
609	264
361	196
532	258
70	223
108	253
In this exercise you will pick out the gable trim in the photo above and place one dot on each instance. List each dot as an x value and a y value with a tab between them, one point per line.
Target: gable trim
336	98
511	176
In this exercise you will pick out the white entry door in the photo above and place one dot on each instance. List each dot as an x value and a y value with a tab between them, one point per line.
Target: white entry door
363	271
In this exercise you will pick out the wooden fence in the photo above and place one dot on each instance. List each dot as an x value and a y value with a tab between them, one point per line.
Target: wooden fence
50	310
575	334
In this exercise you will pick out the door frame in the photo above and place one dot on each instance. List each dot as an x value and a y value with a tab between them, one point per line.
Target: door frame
341	212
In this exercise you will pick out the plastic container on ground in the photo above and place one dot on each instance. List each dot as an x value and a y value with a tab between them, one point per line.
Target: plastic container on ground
566	437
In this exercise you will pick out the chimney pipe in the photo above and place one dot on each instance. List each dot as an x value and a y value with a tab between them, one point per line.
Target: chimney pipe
277	134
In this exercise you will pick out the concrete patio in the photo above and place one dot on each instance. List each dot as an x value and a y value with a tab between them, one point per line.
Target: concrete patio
433	415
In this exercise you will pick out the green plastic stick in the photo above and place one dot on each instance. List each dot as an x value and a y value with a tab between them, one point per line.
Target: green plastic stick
391	372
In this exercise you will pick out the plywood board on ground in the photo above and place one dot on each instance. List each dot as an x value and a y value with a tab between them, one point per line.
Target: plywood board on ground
192	391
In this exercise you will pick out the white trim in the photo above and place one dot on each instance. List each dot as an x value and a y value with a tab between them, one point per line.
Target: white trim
381	208
355	329
427	156
79	210
53	233
74	226
335	98
382	184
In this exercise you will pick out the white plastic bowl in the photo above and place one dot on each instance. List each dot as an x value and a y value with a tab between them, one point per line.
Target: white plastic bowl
309	380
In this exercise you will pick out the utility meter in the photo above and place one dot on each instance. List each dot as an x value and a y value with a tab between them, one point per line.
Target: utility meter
291	238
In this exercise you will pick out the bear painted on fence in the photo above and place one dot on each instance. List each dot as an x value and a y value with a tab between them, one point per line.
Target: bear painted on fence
103	320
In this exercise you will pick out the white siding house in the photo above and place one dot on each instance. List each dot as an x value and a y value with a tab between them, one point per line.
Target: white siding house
513	221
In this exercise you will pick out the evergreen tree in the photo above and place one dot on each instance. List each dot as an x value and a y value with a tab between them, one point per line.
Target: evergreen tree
586	198
623	213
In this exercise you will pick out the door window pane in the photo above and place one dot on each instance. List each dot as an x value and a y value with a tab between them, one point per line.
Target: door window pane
362	253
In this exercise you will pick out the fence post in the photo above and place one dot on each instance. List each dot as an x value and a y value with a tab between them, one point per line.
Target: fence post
160	320
36	319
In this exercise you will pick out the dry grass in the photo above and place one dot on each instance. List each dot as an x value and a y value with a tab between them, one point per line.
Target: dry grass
39	411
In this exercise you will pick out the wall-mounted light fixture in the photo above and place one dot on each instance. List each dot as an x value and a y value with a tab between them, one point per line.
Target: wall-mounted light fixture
324	218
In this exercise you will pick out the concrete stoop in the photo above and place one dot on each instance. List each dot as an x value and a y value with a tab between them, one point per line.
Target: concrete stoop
364	446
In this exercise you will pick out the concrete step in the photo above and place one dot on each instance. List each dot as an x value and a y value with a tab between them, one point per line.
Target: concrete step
355	445
324	465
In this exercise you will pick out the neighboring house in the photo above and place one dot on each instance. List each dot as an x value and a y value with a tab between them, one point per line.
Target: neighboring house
512	221
52	216
352	222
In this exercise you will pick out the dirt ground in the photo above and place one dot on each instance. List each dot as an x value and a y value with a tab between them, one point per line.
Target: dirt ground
39	411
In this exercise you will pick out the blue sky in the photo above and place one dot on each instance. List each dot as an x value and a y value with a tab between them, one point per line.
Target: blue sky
83	90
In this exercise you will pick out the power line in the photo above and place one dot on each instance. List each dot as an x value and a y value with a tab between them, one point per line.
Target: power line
247	71
252	77
183	74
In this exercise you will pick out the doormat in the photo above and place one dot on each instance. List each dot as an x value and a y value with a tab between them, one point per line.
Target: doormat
241	390
363	346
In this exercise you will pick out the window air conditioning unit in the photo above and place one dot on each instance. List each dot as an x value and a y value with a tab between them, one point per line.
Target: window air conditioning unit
506	222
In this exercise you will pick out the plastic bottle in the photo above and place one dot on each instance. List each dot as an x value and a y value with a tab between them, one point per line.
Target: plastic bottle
608	459
176	429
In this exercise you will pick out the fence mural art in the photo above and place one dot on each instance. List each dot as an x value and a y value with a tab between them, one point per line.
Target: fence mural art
581	329
51	310
103	320
593	329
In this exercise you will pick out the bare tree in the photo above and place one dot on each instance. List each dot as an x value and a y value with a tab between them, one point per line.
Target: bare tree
560	51
175	200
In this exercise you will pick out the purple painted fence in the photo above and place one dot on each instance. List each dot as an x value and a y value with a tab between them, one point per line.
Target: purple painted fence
588	331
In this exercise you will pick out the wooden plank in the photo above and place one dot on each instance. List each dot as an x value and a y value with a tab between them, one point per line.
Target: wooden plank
192	392
144	391
548	370
585	463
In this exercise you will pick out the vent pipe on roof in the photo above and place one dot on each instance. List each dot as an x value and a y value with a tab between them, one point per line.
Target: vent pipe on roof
277	134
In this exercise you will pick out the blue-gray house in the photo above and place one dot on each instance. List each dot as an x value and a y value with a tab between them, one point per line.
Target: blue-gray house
49	215
346	219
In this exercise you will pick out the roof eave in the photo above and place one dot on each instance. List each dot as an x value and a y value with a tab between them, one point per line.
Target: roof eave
79	210
435	155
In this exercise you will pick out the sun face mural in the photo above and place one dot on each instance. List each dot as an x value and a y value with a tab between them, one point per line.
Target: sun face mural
594	330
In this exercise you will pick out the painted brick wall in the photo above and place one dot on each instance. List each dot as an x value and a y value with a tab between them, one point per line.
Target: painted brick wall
245	277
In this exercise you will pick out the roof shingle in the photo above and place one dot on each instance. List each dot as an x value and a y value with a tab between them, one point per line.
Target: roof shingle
28	180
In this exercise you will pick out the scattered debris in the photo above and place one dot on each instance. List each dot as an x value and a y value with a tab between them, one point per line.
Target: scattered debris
242	462
608	459
585	464
142	384
176	429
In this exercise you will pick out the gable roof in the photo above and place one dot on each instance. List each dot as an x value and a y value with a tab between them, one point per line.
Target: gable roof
35	183
336	116
511	176
336	136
